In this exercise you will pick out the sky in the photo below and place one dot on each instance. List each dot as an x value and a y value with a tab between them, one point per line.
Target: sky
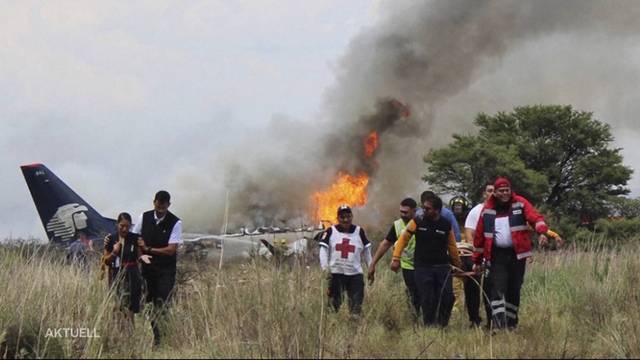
121	99
96	90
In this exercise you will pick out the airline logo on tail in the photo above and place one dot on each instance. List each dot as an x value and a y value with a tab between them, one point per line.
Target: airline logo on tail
67	220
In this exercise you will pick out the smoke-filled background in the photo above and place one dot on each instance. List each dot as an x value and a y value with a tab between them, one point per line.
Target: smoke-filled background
268	103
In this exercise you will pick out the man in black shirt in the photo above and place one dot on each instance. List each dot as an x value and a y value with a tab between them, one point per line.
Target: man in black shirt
160	234
435	251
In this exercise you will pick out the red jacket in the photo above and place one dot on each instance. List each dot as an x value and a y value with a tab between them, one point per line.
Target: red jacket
521	215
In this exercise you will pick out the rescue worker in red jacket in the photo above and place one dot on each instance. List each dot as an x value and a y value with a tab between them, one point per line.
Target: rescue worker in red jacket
503	241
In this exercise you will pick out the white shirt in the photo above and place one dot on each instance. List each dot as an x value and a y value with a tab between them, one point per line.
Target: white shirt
503	233
473	217
176	232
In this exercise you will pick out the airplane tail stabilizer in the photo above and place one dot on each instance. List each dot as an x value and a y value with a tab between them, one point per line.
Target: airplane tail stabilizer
63	212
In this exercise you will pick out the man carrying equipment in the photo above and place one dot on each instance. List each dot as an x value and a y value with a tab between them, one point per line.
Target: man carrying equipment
472	288
459	206
503	241
435	251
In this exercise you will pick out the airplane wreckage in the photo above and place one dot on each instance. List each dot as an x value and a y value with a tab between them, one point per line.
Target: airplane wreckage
268	243
64	214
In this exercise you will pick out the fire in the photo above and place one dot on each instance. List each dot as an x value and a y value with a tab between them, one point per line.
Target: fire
347	189
352	190
370	144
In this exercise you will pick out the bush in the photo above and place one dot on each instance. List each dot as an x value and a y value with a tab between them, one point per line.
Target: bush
625	207
607	233
618	229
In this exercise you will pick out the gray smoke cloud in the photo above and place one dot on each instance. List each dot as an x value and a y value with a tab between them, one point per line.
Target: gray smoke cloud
448	60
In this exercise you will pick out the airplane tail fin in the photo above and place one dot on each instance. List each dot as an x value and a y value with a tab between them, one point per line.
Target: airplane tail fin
63	213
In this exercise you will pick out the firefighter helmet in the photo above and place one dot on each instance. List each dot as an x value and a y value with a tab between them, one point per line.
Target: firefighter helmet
461	202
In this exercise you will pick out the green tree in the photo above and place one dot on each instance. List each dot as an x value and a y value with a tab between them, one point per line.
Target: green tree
554	155
625	207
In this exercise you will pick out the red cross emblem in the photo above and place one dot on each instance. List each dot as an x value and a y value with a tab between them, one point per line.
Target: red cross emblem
345	248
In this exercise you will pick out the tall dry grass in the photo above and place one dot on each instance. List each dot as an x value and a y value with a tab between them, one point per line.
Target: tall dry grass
575	303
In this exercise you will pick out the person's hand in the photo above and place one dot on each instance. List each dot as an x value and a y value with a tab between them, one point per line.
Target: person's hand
559	242
456	270
543	241
146	258
477	269
326	274
395	265
117	247
371	275
106	241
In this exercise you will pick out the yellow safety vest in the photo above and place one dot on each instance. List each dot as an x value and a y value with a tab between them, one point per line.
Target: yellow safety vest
406	261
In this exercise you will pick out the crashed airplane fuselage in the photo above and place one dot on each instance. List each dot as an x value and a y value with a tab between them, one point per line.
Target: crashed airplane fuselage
64	214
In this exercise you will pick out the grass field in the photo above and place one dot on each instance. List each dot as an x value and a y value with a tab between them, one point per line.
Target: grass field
575	303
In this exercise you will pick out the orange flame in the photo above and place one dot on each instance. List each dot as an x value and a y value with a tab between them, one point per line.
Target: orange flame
347	189
371	144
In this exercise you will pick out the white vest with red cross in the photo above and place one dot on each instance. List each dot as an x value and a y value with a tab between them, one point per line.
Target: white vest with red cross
345	252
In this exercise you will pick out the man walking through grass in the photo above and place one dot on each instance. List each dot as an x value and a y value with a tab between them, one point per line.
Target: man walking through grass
160	234
435	252
503	240
342	248
407	212
473	290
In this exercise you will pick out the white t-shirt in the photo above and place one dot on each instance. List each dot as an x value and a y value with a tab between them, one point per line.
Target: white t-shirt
473	217
503	233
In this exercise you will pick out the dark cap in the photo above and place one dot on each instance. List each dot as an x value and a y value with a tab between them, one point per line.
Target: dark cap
344	208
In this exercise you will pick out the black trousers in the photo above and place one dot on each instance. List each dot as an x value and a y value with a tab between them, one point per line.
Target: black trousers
353	285
506	276
472	293
435	289
129	288
412	289
160	282
113	274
